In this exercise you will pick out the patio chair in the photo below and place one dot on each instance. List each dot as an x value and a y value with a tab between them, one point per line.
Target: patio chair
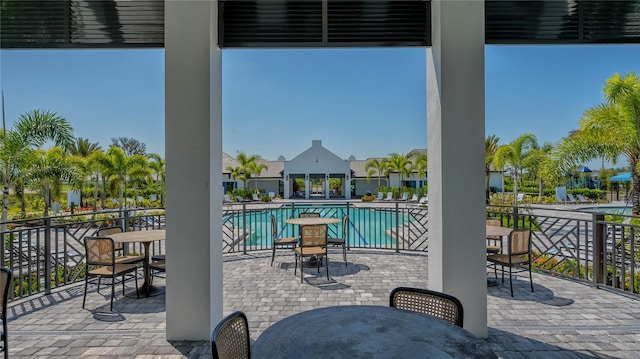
101	263
414	198
6	276
389	196
255	197
309	214
518	256
343	240
312	243
405	196
380	196
494	243
571	198
437	304
230	338
280	242
119	247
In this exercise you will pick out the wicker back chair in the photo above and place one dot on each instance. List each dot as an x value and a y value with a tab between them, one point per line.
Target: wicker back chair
280	242
437	304
230	338
518	256
342	241
6	276
494	243
122	257
312	243
101	263
309	214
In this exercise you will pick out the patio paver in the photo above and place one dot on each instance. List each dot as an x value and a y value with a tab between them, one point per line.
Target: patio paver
561	319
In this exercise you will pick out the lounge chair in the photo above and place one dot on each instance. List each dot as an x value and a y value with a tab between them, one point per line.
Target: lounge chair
571	199
255	197
380	196
582	199
414	198
405	196
423	201
389	196
560	198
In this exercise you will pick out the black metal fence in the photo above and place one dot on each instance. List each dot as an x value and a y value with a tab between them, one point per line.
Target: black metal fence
45	253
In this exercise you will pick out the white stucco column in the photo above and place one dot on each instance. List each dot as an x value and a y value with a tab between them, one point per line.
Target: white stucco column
327	187
193	145
307	186
455	128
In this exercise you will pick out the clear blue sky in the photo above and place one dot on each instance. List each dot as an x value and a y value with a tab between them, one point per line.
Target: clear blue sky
361	102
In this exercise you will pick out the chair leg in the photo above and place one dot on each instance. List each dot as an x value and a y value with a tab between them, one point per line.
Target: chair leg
86	283
113	291
327	266
510	282
295	269
5	338
530	277
273	254
502	269
344	254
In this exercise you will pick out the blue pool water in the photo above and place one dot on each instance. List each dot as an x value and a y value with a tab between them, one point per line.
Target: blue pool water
609	210
367	226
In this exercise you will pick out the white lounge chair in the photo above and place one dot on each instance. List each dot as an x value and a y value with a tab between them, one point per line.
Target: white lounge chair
255	197
389	196
414	198
380	196
405	196
571	199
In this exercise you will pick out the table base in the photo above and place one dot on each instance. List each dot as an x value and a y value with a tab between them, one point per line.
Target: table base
146	292
491	282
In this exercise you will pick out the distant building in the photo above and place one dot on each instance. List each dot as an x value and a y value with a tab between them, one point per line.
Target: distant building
318	173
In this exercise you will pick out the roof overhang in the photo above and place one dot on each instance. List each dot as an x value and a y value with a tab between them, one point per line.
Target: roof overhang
311	23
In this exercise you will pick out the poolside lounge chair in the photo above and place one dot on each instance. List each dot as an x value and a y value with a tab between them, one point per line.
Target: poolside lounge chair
582	199
423	201
380	196
414	198
389	196
405	196
571	199
255	197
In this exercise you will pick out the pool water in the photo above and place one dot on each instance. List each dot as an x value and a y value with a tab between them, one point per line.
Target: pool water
367	226
609	210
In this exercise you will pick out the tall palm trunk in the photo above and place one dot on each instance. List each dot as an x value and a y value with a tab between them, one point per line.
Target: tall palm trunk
95	194
5	204
635	190
515	188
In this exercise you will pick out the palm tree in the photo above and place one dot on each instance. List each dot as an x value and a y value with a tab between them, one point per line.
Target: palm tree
95	165
611	129
122	167
48	173
535	161
375	166
236	173
399	163
82	147
490	148
247	164
514	154
158	166
256	169
32	130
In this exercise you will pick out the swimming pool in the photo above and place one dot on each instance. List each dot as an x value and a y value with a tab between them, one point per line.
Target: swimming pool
609	210
367	227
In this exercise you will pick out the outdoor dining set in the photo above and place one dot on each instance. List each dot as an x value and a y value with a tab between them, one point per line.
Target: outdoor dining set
417	320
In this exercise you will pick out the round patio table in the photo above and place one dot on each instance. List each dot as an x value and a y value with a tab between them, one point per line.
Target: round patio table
144	237
365	331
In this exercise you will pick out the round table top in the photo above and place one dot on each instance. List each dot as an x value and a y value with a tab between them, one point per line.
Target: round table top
498	231
312	220
363	331
139	236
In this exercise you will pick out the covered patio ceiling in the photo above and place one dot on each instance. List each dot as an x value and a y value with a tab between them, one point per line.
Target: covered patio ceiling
311	23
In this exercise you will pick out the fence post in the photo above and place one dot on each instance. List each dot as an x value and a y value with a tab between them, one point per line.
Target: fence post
397	227
599	266
515	217
125	213
47	255
346	230
244	228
